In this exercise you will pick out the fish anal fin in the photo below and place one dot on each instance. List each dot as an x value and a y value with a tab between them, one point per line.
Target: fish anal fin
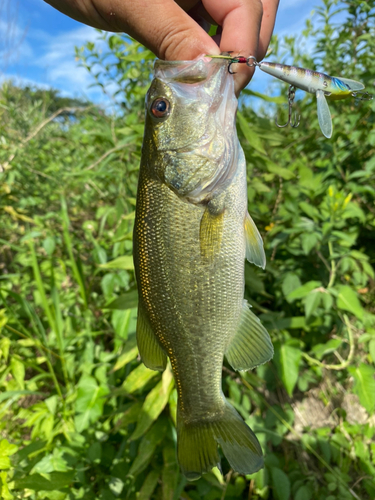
149	348
197	444
211	233
251	346
324	114
254	243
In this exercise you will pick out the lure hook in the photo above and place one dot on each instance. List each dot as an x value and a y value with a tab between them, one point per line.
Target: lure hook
296	121
362	96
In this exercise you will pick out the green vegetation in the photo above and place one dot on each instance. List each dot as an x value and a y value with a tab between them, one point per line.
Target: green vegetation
80	416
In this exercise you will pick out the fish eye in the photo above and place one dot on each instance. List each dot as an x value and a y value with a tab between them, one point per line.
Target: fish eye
160	108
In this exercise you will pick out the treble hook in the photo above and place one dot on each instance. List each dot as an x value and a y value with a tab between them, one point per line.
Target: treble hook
291	96
362	96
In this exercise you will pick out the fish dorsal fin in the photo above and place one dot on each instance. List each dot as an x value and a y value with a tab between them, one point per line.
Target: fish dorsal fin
254	243
149	348
324	114
251	346
211	233
353	84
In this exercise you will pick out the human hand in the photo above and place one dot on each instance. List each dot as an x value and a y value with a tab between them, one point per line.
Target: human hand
176	30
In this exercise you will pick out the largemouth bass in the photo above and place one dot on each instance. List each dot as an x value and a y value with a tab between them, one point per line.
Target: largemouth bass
192	231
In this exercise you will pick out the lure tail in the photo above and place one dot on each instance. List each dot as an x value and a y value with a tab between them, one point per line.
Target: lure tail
197	444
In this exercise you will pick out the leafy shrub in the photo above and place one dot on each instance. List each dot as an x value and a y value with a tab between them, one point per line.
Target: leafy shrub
80	416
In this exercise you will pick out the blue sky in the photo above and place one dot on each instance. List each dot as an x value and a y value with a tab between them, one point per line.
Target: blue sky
37	45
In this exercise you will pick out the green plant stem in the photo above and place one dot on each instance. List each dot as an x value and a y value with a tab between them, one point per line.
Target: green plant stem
332	276
345	363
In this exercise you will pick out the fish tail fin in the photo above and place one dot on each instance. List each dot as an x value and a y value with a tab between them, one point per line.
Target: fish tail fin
197	444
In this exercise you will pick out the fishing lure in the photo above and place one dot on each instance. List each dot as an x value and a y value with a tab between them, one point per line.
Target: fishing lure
314	82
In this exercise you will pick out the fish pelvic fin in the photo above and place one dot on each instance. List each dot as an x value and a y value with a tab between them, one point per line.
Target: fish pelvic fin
149	348
197	444
251	346
254	243
211	233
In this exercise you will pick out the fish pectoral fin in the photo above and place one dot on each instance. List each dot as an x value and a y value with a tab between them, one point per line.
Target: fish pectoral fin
254	243
211	233
251	346
353	84
324	114
149	348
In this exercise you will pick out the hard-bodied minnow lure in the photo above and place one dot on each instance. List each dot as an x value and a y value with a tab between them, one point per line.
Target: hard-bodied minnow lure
322	85
192	233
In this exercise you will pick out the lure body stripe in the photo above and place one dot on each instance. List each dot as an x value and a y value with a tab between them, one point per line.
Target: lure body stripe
307	79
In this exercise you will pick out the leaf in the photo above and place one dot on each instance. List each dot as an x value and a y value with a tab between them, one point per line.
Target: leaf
89	403
116	485
303	493
126	357
311	302
170	471
251	136
138	378
303	290
128	300
371	348
149	485
348	300
280	484
364	385
148	446
124	262
321	350
154	404
47	482
280	171
287	359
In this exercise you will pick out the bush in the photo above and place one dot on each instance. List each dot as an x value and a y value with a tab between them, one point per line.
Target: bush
80	416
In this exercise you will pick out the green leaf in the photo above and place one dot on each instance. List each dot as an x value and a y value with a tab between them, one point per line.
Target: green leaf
280	171
311	302
47	482
280	484
302	291
89	403
154	404
287	359
251	136
149	485
348	301
128	300
148	446
364	385
138	378
170	471
371	348
321	350
124	262
126	357
303	493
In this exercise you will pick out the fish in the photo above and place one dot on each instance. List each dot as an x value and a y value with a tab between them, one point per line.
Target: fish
191	236
321	85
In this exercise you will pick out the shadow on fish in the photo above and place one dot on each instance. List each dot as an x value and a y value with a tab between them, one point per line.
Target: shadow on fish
321	85
191	237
